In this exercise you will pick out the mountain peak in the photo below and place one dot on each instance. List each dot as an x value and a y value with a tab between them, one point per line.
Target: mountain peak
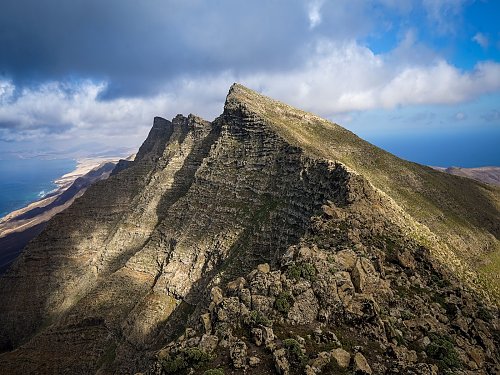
263	105
220	229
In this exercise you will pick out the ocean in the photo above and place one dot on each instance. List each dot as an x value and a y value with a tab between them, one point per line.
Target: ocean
468	150
23	181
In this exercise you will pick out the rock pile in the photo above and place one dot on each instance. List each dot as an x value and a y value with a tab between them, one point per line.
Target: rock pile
352	308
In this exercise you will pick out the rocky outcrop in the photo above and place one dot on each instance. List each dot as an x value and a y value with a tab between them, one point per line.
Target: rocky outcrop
242	244
302	319
144	245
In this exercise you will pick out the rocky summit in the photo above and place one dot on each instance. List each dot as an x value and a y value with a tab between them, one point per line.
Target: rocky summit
269	241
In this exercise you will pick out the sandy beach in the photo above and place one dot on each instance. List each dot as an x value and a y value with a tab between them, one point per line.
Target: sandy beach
9	224
20	226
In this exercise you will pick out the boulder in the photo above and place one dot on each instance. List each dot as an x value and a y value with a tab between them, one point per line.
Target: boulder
276	286
305	308
238	354
246	297
206	321
235	286
253	361
460	323
280	362
320	361
325	289
341	357
257	336
362	308
260	284
264	268
364	277
402	354
208	343
262	303
229	309
216	295
406	259
361	366
267	335
345	259
345	287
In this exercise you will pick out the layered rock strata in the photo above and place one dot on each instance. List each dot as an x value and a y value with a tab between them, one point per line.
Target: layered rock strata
112	283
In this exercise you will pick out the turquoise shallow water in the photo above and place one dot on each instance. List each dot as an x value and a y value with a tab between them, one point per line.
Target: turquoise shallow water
23	181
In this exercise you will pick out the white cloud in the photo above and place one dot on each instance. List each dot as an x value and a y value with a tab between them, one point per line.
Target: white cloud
6	91
314	12
338	78
481	39
444	14
349	77
58	110
74	111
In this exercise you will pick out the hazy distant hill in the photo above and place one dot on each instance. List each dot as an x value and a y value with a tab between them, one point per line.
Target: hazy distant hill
267	241
490	175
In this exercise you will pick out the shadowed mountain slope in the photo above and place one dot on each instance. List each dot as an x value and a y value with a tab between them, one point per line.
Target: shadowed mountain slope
120	274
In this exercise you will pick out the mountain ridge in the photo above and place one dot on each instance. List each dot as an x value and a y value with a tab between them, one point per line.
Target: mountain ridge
138	258
418	189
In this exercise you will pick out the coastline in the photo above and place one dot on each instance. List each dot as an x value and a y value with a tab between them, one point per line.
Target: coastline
19	227
9	224
83	166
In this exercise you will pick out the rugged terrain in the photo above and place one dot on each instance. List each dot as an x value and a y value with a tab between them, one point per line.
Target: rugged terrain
269	240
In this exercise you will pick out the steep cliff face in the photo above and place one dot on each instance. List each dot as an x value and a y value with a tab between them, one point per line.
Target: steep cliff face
121	273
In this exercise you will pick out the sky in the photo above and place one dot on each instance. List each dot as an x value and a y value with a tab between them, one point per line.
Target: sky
418	77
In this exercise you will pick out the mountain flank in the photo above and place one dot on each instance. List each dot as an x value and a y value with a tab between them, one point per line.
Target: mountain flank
267	241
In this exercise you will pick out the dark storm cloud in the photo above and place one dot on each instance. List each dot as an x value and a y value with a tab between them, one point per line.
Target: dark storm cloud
8	124
47	128
99	70
138	45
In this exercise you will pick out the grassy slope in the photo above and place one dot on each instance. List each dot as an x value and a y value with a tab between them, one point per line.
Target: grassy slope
463	213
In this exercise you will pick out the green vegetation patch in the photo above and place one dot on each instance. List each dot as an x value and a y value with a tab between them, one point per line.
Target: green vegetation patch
283	302
294	352
256	318
184	359
442	350
302	270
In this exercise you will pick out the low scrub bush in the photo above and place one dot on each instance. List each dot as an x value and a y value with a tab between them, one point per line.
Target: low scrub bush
189	357
305	270
283	302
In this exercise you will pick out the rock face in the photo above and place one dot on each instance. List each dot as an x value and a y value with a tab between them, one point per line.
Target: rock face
247	243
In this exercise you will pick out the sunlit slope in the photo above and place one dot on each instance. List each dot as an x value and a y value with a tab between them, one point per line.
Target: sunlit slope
462	213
